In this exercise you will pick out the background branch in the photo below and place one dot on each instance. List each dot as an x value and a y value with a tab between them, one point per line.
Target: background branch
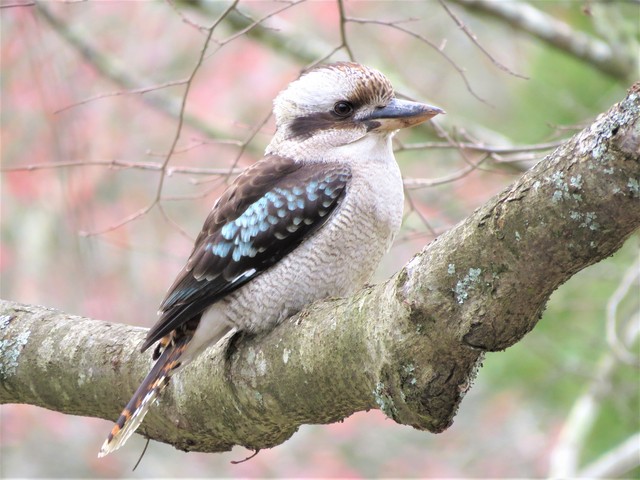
120	75
526	18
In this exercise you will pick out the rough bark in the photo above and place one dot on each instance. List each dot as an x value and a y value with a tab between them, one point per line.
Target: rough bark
410	346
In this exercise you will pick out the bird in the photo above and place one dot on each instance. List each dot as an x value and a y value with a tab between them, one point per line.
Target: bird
310	220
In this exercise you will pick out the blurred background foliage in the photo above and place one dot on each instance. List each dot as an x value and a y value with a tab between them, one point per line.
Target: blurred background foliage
81	152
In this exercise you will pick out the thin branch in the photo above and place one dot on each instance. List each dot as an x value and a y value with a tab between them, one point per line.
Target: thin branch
122	92
442	133
176	136
174	224
498	154
422	38
467	31
120	76
616	462
617	346
584	412
560	35
120	164
200	28
480	147
14	5
254	131
414	183
343	32
183	103
324	57
413	208
168	105
259	22
117	225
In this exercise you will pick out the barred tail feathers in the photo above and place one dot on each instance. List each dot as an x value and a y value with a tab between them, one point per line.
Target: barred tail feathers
153	384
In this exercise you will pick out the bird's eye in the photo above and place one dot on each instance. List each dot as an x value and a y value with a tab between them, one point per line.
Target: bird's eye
343	109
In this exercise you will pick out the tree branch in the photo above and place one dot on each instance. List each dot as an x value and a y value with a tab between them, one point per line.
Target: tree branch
610	61
410	346
122	76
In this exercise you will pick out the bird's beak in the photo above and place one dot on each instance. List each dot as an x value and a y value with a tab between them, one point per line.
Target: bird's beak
401	113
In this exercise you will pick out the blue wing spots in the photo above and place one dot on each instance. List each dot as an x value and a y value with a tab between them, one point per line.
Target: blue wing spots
272	220
246	234
246	227
312	191
243	250
281	206
221	249
229	230
277	202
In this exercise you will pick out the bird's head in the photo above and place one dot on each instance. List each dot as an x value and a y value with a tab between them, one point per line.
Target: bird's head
341	103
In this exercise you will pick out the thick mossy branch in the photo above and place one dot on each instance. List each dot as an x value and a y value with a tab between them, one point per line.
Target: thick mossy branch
409	347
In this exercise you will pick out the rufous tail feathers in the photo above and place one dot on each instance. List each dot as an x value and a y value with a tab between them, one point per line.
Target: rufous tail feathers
147	392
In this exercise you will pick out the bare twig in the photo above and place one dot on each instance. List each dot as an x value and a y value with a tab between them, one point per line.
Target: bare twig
103	64
425	40
499	154
566	454
415	183
343	33
200	28
14	5
560	35
467	31
616	462
176	136
324	57
123	92
259	22
122	165
121	223
617	346
413	208
174	224
480	147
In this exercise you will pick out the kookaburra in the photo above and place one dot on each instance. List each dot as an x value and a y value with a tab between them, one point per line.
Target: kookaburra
310	220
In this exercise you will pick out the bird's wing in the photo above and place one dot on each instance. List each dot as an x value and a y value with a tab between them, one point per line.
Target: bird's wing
266	213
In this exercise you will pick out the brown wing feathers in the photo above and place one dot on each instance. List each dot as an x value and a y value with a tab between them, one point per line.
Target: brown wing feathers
268	211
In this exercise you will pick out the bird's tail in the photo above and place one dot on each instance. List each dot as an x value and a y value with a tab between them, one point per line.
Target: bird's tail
147	392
